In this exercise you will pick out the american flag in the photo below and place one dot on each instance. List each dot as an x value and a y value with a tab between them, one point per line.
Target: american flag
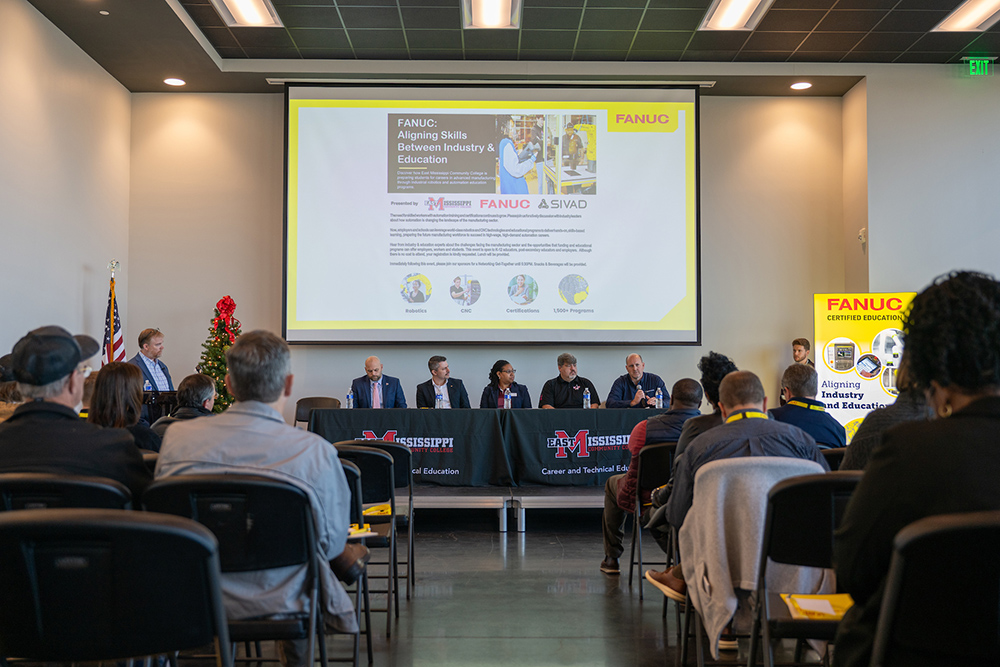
113	331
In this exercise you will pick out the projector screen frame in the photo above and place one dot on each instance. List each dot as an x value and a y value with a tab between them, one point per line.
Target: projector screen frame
694	87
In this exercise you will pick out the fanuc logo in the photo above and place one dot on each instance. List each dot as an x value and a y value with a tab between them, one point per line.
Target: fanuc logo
582	444
441	203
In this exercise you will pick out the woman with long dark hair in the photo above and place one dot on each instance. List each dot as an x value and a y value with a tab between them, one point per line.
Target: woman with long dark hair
501	379
117	403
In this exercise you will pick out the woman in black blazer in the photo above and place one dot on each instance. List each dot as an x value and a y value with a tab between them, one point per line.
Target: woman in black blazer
501	378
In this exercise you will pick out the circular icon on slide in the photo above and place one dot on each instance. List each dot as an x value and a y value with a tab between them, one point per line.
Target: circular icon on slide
869	366
888	347
415	288
840	354
573	289
465	290
522	289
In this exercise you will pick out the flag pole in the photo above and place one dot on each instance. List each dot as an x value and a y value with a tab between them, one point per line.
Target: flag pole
109	351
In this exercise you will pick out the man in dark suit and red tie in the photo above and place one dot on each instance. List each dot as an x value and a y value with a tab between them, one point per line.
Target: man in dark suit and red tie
374	390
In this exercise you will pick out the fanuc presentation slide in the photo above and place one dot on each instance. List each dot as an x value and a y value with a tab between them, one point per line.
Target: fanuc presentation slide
491	215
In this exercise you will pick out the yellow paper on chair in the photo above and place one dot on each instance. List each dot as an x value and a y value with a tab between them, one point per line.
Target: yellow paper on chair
378	510
357	532
818	607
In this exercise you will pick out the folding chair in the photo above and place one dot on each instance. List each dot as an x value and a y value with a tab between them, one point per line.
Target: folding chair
653	469
378	488
353	474
802	515
403	479
305	406
834	457
29	490
260	523
86	585
953	620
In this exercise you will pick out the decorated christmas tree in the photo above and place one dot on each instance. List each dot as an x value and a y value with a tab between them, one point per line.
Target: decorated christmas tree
222	334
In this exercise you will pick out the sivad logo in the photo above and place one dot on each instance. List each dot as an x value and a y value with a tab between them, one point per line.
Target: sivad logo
390	436
435	204
542	204
562	442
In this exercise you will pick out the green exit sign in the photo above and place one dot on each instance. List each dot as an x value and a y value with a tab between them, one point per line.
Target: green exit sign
980	66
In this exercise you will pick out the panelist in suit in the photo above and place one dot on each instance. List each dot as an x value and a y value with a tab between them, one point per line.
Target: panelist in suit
374	390
454	397
155	375
501	378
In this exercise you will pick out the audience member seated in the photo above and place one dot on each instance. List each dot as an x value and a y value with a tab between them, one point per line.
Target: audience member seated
636	389
800	384
619	490
925	468
252	438
374	390
566	390
910	405
88	394
10	394
195	398
45	434
452	390
502	379
745	431
713	367
117	403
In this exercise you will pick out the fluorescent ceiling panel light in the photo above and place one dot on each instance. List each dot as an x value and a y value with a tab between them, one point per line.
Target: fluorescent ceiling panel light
491	14
247	13
971	16
734	14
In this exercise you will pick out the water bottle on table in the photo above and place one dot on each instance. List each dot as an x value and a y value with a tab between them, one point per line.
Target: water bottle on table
659	397
506	399
350	398
586	399
438	401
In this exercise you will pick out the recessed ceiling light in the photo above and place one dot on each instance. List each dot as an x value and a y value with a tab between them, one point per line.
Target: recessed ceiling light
491	14
734	14
104	12
248	13
802	85
971	16
174	82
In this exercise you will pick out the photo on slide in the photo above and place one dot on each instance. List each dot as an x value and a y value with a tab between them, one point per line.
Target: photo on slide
465	290
522	289
415	288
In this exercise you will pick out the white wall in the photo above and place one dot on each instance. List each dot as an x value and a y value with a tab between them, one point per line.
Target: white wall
206	220
64	179
855	187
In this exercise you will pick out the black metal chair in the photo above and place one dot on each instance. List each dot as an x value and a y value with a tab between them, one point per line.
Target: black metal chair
802	515
653	470
834	457
402	460
953	620
86	585
305	406
378	488
29	490
362	602
260	523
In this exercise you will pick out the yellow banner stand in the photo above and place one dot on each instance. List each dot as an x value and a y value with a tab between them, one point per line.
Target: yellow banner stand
858	346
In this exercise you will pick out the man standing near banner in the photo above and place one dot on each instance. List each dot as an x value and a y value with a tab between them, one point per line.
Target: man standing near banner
156	377
800	352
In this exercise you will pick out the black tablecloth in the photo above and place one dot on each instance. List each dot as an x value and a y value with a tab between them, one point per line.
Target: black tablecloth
501	447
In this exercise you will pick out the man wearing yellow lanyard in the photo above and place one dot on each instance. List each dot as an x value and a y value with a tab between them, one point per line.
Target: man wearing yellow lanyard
800	383
746	431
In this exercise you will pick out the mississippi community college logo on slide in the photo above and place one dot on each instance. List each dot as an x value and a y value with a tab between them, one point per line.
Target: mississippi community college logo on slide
441	445
441	203
583	443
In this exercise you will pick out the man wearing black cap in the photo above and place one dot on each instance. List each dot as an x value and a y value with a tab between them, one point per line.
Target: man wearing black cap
45	434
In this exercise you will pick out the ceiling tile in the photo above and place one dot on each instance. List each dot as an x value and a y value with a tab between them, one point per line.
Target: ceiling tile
719	39
490	54
672	19
230	52
377	39
946	5
554	3
604	40
774	41
300	2
680	4
709	56
599	56
204	15
611	19
944	41
866	4
432	17
870	57
437	54
988	41
271	52
370	17
540	19
319	38
790	21
887	41
262	37
921	57
547	39
897	21
382	54
327	54
434	39
428	3
365	3
309	17
491	39
762	56
803	4
654	56
850	21
220	37
545	54
816	56
661	41
831	41
634	4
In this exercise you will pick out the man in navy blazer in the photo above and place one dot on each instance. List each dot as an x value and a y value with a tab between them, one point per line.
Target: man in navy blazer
455	397
154	372
389	391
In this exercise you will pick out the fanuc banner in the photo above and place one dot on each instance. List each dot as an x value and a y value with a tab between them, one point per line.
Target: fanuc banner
858	346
